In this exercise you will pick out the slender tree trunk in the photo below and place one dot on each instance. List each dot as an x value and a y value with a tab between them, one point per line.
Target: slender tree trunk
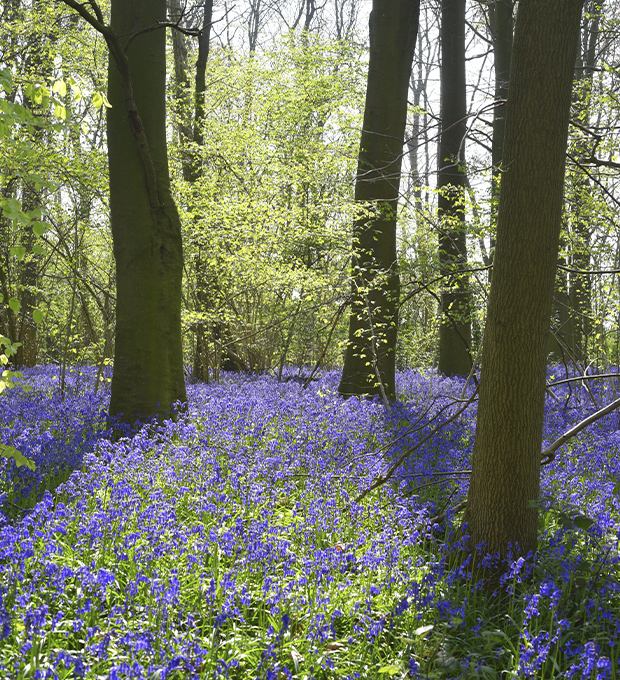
560	312
580	291
148	359
501	20
192	137
28	290
39	62
369	365
181	87
506	463
418	84
502	26
455	328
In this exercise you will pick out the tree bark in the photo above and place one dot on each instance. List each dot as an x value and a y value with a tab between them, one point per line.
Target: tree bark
455	328
502	26
148	359
506	461
369	365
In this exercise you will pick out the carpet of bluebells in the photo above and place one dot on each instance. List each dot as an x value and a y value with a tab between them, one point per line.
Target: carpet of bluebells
229	543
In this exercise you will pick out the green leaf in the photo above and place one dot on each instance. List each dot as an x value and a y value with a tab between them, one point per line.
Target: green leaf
18	251
37	315
38	250
19	458
583	522
60	88
11	208
60	111
390	670
97	100
6	80
14	304
40	228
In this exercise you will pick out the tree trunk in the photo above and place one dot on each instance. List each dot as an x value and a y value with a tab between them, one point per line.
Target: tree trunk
369	364
580	291
148	359
192	139
501	20
28	288
506	463
455	329
418	85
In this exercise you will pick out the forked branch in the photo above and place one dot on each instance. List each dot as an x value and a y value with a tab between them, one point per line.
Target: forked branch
121	60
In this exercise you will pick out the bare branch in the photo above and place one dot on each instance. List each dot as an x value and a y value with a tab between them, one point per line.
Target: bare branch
548	454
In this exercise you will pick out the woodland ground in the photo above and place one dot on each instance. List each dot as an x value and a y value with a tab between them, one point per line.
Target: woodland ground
228	543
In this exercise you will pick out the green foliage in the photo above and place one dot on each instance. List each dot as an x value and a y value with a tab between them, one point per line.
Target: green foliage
7	378
267	223
12	453
52	187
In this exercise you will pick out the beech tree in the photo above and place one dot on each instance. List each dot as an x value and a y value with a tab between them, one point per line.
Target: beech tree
455	329
504	489
369	364
148	359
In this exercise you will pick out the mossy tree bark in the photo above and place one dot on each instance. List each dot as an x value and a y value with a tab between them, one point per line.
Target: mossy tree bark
148	359
505	479
146	230
370	358
455	329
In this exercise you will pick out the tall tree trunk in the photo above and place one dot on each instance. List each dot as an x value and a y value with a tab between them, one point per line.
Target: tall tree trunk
580	291
501	20
28	287
506	461
370	359
181	88
418	85
192	137
455	328
39	65
148	359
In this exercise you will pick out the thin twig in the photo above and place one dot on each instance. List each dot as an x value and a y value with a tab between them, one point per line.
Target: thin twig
585	377
341	309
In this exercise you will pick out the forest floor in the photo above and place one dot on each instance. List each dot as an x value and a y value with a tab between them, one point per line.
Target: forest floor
230	543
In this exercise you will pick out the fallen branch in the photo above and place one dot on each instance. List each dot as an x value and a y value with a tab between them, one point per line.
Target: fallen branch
548	455
596	376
